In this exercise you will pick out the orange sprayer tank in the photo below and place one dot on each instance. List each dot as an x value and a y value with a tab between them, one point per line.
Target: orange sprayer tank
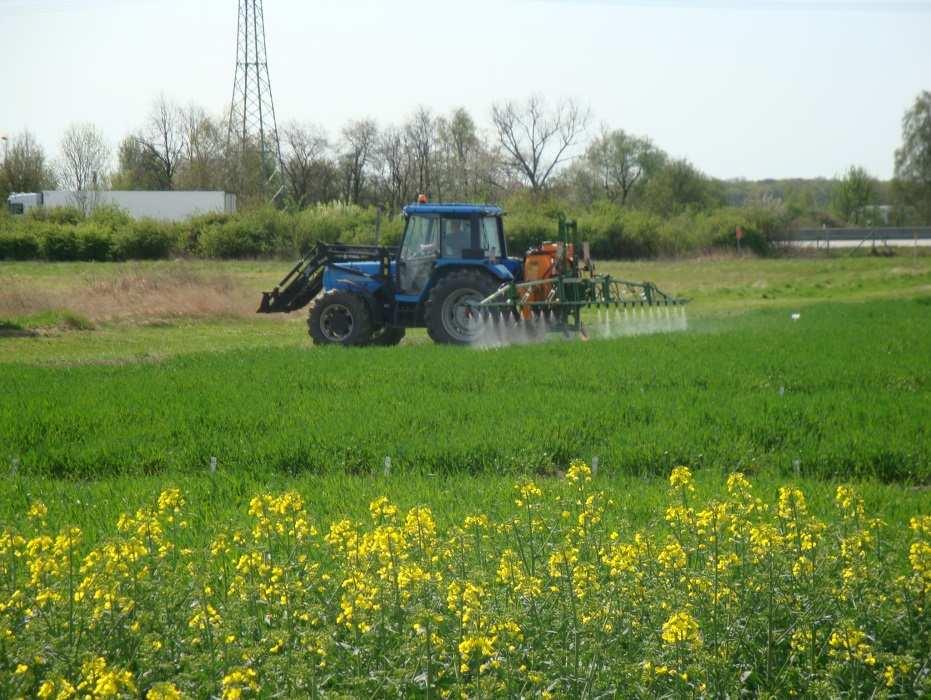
541	263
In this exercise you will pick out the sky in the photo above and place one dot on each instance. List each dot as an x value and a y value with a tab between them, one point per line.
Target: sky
753	89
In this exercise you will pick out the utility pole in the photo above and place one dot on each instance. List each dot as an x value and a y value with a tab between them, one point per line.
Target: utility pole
253	129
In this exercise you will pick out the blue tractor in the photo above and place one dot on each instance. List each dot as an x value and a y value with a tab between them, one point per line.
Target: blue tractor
451	257
452	276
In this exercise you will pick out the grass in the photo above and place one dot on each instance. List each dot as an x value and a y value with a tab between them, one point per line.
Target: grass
146	311
844	391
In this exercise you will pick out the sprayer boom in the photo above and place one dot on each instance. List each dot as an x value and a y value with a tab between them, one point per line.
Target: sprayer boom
557	285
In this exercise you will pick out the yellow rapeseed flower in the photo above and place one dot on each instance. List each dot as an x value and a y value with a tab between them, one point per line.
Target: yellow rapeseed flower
681	628
681	479
37	511
164	691
579	472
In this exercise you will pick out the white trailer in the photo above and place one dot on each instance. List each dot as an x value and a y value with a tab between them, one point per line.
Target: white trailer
167	206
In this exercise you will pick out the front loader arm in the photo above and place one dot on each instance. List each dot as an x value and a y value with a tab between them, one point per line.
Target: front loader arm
305	280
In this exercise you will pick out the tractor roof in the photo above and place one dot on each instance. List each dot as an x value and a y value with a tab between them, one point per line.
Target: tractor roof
455	208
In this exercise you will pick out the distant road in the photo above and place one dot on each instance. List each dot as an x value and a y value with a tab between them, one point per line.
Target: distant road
854	237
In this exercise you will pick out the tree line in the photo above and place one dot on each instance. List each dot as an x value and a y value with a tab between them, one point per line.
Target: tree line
530	148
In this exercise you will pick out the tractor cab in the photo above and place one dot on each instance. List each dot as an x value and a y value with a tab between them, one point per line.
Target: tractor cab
438	236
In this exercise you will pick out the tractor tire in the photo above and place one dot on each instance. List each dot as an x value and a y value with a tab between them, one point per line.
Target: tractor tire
446	319
386	335
339	318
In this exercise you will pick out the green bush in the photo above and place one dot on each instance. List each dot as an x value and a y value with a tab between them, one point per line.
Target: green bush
346	223
619	233
257	233
95	241
528	228
64	216
613	231
16	244
60	242
145	239
190	233
110	217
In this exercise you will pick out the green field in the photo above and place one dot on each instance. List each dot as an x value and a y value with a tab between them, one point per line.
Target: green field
122	381
842	392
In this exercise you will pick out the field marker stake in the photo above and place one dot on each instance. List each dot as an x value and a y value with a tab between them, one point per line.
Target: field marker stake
213	465
594	466
782	391
387	465
14	466
797	467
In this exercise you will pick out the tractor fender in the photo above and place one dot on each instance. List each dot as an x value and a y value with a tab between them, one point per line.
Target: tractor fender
496	271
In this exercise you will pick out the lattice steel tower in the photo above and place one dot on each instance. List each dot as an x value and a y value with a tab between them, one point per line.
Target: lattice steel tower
252	112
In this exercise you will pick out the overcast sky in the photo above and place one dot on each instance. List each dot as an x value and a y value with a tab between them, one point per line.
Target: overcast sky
755	89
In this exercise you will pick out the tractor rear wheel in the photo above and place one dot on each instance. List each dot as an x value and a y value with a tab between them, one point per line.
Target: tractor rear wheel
387	335
450	315
339	318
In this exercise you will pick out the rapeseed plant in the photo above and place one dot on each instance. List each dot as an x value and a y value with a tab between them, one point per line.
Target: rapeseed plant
555	598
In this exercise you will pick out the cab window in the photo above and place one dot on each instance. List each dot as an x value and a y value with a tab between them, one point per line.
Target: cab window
457	237
422	238
490	236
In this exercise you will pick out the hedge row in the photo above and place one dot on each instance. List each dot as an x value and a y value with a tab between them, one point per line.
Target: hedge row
614	232
109	234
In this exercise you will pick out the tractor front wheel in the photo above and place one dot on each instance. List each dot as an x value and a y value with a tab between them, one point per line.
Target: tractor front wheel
450	313
339	318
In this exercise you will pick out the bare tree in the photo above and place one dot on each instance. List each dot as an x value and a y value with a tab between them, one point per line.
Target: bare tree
360	138
535	140
394	166
204	140
305	152
84	162
420	137
163	138
458	150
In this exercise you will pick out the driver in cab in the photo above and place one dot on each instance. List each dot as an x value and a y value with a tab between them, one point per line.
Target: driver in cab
457	238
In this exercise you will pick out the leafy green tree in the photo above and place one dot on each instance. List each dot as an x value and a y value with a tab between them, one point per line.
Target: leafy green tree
678	186
138	169
622	162
853	194
913	157
24	167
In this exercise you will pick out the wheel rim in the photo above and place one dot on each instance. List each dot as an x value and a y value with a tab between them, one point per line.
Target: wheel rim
336	322
460	320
